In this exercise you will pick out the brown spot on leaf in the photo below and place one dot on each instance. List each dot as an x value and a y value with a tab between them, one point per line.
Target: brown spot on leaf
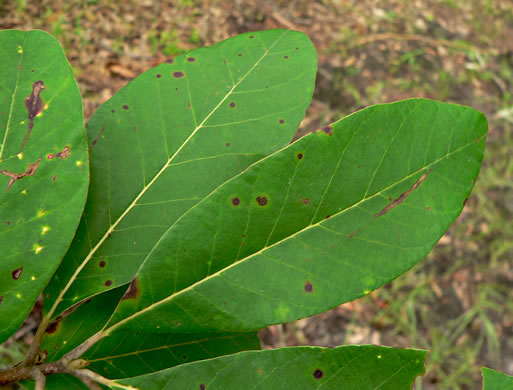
354	233
52	327
308	287
34	105
54	178
402	197
113	111
17	273
101	264
235	201
286	57
202	387
50	156
428	208
227	144
178	74
158	75
1	299
108	283
281	121
327	217
31	169
191	59
232	104
125	107
131	292
299	156
465	202
261	200
170	60
318	374
240	55
328	130
65	153
251	36
306	201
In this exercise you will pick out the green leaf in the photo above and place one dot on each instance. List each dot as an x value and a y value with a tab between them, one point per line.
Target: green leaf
348	367
44	170
127	355
169	138
495	380
328	219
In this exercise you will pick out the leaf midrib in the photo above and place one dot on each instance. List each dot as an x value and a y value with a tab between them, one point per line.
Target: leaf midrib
110	329
159	173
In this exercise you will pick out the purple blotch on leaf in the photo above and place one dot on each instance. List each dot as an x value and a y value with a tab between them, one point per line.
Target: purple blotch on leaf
282	121
52	327
17	273
261	200
306	201
240	55
286	57
1	299
158	75
131	292
299	156
328	130
251	36
318	374
102	264
170	60
227	144
178	74
235	201
191	59
232	104
125	107
202	387
113	111
108	283
308	287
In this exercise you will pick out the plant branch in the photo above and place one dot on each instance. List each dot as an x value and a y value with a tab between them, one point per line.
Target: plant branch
40	379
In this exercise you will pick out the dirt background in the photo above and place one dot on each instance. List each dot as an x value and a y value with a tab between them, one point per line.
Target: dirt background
458	301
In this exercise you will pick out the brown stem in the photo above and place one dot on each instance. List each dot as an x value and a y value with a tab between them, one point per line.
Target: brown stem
33	351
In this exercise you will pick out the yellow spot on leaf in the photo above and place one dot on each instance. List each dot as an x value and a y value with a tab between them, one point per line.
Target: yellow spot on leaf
79	163
32	277
20	49
366	292
37	248
379	356
18	295
44	230
20	156
40	213
24	192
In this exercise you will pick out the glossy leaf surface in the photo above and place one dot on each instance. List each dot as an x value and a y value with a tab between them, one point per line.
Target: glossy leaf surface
44	171
328	219
170	137
495	380
348	367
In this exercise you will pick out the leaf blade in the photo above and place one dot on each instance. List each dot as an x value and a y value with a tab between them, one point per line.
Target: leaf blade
347	247
135	217
44	164
348	367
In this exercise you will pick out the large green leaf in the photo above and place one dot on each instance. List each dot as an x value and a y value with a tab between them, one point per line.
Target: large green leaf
329	218
131	354
495	380
349	367
44	170
170	137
